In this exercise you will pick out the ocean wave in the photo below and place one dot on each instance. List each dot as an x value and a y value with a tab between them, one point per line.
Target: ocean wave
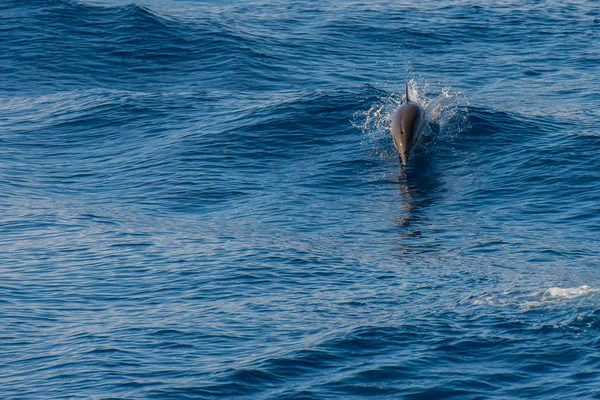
130	43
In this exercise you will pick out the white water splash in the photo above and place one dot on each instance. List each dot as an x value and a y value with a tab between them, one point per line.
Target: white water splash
555	295
445	110
527	302
568	293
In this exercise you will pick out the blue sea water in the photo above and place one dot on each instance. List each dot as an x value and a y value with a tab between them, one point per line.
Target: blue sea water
201	200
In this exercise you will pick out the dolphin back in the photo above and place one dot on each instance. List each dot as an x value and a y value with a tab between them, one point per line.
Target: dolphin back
408	124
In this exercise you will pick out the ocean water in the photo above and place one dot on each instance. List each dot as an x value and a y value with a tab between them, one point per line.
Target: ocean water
201	200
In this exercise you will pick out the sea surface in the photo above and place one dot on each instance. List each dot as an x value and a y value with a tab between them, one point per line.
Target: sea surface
201	200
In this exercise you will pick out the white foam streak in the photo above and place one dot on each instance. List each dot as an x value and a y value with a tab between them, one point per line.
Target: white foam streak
568	293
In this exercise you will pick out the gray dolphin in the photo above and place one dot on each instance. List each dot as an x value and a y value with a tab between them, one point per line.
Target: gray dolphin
408	125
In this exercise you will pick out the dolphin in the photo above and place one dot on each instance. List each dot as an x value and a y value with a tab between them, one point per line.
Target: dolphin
408	125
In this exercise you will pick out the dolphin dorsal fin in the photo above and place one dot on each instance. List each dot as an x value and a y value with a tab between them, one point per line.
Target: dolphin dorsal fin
407	92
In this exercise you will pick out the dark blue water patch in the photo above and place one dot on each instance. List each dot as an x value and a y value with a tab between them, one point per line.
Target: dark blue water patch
121	44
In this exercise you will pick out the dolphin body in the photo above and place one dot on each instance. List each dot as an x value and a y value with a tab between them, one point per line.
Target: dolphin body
408	125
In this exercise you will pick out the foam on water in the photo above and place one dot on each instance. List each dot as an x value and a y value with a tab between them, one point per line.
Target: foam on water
554	296
568	293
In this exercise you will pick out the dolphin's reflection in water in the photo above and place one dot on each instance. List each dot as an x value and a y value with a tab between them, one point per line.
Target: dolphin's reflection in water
419	186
